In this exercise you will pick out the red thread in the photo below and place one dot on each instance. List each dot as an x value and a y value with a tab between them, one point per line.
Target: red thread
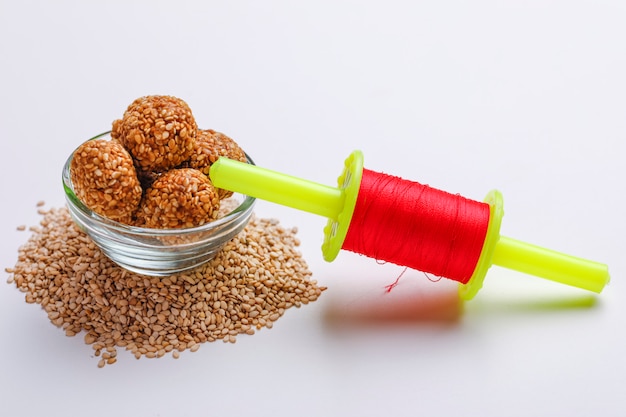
393	285
414	225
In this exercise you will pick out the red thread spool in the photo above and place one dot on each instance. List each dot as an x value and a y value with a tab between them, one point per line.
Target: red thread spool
411	224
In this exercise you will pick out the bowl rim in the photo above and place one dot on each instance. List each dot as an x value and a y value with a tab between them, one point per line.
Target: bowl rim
68	186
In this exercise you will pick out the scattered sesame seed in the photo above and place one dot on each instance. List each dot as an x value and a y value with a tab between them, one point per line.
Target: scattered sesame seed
243	289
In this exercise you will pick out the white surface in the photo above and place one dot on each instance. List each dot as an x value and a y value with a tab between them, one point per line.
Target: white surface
523	96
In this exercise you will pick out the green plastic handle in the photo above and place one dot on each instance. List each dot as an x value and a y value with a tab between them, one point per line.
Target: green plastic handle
337	204
276	187
559	267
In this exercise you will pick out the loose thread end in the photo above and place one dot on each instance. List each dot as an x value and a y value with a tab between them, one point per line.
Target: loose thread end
393	285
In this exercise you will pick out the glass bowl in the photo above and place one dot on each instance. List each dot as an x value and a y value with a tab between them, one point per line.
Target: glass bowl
156	252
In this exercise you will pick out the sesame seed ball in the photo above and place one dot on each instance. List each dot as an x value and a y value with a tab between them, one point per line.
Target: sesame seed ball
182	197
158	131
105	179
209	146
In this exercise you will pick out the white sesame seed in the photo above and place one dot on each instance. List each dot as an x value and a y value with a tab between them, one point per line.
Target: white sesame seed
83	291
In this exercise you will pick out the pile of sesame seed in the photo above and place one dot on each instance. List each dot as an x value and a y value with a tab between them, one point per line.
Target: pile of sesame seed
249	285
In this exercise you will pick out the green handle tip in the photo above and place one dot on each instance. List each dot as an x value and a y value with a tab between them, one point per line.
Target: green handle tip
530	259
549	264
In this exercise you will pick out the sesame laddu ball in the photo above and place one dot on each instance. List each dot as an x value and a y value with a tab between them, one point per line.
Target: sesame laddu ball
209	146
179	198
105	180
158	131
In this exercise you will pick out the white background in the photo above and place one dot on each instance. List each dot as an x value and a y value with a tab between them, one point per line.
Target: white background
528	97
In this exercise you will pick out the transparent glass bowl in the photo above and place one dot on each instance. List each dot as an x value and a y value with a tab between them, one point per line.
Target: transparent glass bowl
156	252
